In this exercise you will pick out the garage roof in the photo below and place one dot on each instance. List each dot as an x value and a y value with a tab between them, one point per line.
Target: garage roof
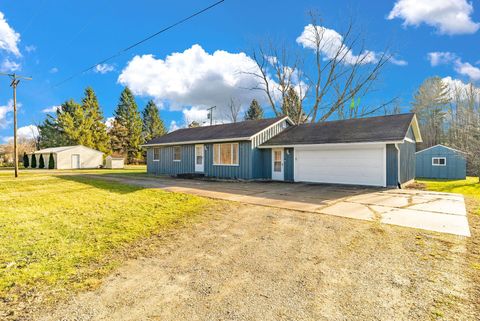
234	131
371	129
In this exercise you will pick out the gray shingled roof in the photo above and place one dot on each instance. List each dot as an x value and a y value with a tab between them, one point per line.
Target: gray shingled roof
371	129
232	131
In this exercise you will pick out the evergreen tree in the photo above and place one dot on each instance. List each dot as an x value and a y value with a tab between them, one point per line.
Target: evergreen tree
34	161
127	117
51	133
152	123
98	129
41	162
25	160
255	111
51	162
75	123
292	107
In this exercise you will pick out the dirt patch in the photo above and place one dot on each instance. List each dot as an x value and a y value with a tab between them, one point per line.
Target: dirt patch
258	263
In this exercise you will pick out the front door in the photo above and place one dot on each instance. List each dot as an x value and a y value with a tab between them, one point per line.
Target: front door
199	159
75	161
277	164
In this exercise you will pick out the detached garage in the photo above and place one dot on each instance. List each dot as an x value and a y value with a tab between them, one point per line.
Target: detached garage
70	157
374	151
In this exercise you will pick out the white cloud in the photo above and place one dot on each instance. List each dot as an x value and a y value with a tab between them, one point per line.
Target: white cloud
458	87
193	78
173	126
103	68
109	122
331	43
437	58
8	65
196	114
30	48
467	69
398	62
463	68
9	39
54	70
52	109
446	16
4	110
25	132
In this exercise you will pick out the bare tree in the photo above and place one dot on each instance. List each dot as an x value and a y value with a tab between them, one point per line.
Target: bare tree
338	75
233	109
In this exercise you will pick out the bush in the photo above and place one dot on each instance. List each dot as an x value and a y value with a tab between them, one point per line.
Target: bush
34	161
25	160
41	162
51	162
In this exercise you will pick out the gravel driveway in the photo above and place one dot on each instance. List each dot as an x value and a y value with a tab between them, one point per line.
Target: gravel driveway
249	262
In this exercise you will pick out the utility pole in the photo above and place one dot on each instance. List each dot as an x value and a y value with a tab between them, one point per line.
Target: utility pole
15	80
210	114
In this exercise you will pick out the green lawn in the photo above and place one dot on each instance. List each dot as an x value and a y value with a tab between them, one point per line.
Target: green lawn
469	187
59	233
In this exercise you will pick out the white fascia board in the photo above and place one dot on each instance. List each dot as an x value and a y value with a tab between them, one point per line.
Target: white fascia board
416	129
332	144
199	142
453	149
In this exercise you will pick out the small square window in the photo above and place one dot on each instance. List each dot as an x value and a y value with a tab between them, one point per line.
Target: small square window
439	161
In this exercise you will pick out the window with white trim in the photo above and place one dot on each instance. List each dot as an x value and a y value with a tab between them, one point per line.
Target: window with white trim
156	154
439	161
177	153
225	154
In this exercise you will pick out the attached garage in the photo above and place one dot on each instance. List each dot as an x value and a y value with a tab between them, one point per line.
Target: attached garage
359	164
374	151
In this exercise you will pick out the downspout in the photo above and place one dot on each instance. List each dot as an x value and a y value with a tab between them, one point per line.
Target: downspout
399	185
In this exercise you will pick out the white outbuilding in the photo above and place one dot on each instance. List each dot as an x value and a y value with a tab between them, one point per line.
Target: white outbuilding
70	157
114	162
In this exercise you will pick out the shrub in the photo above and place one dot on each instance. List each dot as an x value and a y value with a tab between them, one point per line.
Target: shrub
34	161
51	162
41	162
25	160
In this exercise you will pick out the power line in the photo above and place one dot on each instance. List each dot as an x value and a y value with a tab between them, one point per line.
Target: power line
141	41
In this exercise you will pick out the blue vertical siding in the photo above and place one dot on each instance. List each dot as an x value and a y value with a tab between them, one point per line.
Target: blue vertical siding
407	161
455	167
242	171
167	166
392	165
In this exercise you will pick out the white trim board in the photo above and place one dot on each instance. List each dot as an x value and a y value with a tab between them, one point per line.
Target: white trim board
455	150
331	144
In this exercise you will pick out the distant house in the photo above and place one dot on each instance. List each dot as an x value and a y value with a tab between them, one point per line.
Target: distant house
70	157
376	151
442	162
114	162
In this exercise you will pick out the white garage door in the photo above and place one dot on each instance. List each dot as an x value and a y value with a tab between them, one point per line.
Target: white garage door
359	165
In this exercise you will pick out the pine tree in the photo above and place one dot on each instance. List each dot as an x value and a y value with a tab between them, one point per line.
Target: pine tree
292	107
51	134
34	161
255	111
98	129
74	122
41	162
127	117
25	160
51	162
152	123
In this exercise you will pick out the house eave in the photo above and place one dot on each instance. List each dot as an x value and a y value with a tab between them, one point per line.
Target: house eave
198	142
332	144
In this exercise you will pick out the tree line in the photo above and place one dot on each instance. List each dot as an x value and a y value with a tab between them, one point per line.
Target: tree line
450	115
84	124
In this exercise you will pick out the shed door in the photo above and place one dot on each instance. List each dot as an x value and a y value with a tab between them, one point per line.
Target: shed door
357	165
199	159
75	161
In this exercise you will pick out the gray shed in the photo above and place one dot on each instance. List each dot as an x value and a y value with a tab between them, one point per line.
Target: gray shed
441	162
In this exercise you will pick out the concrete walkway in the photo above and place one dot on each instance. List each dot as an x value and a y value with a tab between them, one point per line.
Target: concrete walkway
432	211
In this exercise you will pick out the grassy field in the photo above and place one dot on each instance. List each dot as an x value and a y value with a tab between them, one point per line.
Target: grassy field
58	233
469	187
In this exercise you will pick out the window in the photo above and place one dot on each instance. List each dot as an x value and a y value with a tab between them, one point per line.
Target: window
225	154
156	154
177	153
439	161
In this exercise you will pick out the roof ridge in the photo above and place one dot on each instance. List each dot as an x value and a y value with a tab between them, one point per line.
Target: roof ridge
355	119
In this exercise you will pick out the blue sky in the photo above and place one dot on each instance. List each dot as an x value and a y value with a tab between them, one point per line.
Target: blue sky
52	40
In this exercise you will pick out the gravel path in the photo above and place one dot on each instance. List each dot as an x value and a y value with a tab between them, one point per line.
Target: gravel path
259	263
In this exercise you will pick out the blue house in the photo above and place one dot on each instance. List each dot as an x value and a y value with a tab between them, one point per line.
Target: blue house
441	162
375	151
